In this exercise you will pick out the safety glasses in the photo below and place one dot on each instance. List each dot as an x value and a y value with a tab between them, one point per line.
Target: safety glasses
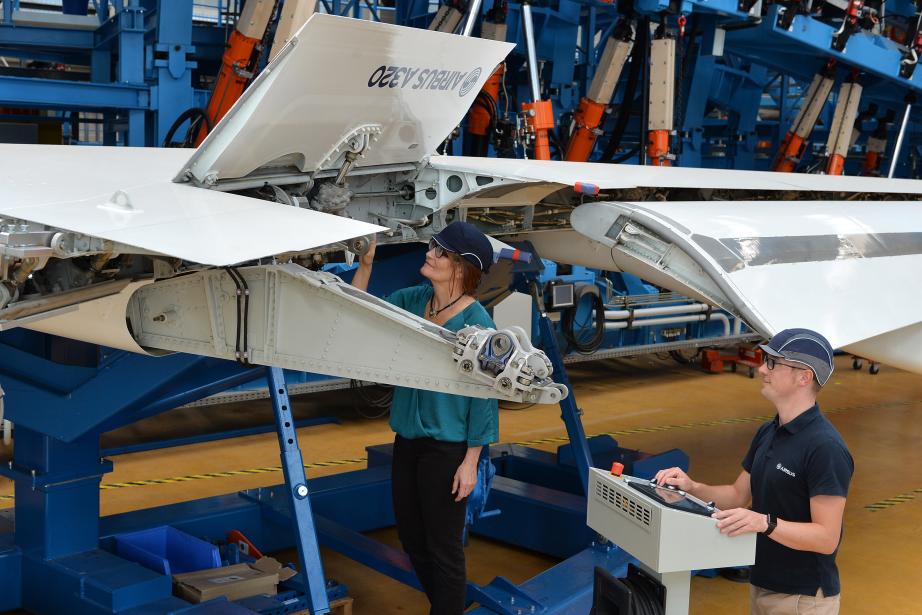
438	249
770	363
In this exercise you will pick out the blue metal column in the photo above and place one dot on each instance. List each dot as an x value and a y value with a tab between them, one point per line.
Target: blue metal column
296	483
569	411
131	64
57	493
174	72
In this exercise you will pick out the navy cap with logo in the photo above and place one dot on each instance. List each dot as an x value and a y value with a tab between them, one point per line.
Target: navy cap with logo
466	240
803	346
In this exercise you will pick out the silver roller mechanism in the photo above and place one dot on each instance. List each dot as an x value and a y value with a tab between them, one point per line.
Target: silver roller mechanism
507	361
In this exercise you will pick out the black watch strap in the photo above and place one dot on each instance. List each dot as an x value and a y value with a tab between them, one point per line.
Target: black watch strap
772	524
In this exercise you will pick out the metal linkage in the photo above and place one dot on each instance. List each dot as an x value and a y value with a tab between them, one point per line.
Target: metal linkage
843	125
587	120
877	144
448	17
857	17
538	114
662	99
314	322
507	361
795	141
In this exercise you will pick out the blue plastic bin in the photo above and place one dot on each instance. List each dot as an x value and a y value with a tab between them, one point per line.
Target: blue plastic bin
167	550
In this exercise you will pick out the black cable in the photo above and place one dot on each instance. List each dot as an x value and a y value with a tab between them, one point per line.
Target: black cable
474	144
357	388
193	112
568	318
243	312
646	595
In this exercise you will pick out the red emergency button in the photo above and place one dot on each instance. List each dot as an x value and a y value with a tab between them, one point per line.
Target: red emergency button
617	468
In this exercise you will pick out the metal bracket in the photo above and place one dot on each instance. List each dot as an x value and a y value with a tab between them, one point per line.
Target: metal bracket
356	141
505	597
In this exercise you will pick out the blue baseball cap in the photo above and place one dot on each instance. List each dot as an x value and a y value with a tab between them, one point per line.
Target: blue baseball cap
803	346
466	240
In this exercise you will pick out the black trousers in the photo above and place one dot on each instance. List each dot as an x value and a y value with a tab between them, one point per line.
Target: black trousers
429	521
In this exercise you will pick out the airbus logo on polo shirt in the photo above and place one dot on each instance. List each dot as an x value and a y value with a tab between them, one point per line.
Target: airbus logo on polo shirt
785	470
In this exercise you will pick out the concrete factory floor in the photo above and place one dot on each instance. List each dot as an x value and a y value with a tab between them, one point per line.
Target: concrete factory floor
879	416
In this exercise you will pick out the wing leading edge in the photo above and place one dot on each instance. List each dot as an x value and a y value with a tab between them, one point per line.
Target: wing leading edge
844	269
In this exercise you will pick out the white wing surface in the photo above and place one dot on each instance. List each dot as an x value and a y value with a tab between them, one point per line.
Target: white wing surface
844	269
613	176
126	195
339	79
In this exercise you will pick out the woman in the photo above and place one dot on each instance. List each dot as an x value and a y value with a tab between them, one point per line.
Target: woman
439	436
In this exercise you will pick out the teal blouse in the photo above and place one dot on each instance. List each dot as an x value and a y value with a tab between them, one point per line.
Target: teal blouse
451	418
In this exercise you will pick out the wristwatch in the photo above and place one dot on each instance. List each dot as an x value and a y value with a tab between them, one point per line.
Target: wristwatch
772	523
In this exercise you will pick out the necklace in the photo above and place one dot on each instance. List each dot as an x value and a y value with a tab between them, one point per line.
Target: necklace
436	312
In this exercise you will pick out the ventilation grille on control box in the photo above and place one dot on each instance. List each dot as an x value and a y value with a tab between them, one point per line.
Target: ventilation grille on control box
620	501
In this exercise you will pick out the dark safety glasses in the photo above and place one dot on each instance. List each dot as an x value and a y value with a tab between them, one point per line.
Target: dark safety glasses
439	249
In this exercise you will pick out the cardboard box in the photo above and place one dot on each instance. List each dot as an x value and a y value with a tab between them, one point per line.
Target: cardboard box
232	582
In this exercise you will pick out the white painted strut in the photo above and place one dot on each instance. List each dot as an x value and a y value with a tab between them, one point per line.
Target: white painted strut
314	322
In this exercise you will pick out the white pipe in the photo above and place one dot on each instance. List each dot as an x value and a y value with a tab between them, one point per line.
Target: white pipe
472	15
531	51
670	320
726	321
657	311
899	141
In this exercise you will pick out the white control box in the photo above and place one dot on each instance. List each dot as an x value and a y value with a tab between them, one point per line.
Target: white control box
662	532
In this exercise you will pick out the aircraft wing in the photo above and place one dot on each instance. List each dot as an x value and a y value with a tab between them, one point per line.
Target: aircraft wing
127	195
341	86
614	176
845	269
340	82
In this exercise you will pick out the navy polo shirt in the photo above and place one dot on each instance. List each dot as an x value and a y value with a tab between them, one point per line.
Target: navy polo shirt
788	464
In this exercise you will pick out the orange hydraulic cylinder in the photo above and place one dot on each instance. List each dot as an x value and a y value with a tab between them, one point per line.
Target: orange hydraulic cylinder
479	122
789	154
658	148
232	79
587	118
540	118
836	165
872	163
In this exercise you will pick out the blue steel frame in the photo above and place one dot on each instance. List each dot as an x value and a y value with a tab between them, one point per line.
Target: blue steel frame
754	51
152	42
60	410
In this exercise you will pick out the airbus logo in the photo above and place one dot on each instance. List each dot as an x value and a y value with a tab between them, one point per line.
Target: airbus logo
417	78
785	470
469	82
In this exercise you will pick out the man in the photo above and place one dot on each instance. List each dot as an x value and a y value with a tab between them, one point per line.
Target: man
796	476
